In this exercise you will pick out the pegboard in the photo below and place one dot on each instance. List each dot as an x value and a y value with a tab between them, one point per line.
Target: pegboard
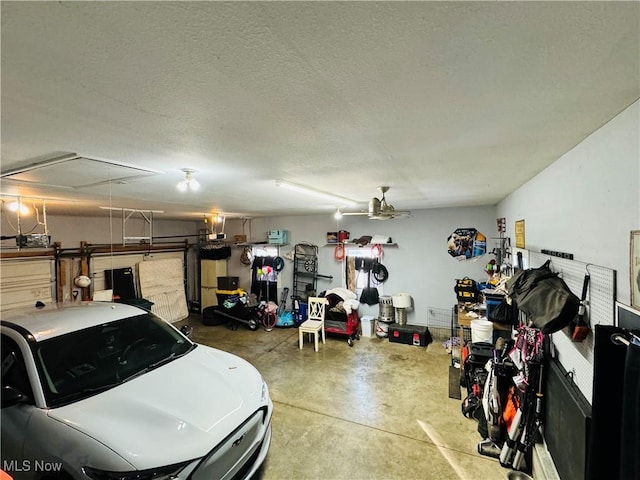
577	357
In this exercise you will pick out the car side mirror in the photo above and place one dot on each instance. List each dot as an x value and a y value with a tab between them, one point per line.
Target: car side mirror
11	396
186	330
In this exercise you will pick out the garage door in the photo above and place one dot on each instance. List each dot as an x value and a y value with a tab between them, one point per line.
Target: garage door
25	281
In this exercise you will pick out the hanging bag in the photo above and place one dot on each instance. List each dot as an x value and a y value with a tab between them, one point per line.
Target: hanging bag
504	313
544	297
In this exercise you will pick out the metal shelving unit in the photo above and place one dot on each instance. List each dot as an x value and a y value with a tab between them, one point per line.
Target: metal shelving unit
305	271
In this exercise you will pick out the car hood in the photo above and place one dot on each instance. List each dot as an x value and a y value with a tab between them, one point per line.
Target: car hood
177	412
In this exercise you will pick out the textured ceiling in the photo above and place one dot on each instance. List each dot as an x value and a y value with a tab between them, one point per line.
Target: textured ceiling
449	103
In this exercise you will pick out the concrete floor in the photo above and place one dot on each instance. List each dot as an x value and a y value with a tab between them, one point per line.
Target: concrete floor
378	410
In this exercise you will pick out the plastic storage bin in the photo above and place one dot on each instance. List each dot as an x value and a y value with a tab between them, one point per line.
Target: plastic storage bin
228	283
410	334
278	236
368	325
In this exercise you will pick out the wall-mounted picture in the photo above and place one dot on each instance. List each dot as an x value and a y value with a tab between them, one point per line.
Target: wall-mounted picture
466	243
634	268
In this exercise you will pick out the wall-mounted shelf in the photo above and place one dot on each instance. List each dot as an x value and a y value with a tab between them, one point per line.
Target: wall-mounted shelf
353	244
231	243
258	244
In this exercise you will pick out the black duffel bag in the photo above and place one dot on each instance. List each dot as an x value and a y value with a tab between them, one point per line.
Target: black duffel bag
544	297
504	313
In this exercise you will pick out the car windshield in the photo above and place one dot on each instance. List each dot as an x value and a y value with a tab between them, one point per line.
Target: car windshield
89	361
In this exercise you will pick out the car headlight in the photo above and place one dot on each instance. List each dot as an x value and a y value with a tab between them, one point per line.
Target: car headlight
159	473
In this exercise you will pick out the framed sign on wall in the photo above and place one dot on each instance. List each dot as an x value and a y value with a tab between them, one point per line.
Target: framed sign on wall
520	234
634	268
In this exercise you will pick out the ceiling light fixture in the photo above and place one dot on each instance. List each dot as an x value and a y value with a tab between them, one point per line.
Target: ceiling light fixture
188	182
338	214
18	207
316	193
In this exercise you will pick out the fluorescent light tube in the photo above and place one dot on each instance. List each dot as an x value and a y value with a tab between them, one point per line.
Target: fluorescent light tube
336	199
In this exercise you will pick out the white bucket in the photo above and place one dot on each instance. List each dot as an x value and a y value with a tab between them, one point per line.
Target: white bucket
481	331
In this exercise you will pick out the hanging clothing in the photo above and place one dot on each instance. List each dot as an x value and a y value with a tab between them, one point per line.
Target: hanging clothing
615	397
264	279
630	431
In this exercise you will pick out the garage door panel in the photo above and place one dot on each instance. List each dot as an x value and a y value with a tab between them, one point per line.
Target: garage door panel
25	281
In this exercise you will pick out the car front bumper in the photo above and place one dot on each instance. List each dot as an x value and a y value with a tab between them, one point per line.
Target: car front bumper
216	463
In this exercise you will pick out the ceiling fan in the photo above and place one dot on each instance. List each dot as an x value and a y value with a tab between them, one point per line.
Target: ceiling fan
379	209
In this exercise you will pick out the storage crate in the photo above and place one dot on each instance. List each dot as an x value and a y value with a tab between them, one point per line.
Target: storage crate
228	283
278	236
410	334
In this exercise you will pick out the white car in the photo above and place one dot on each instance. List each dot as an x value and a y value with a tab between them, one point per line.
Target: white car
109	391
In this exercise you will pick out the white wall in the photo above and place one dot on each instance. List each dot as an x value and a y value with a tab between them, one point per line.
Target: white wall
588	201
419	265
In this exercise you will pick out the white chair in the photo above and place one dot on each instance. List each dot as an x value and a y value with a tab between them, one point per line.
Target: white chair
314	324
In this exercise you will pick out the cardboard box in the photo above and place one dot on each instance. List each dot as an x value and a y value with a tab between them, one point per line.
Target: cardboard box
417	335
468	312
464	319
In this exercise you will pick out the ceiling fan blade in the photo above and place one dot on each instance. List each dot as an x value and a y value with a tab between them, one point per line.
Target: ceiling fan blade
390	215
379	209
